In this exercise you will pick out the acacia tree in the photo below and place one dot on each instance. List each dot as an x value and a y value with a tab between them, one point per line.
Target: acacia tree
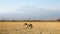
2	20
58	19
13	20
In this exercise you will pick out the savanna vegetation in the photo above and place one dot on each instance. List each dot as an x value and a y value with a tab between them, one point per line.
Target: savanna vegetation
38	28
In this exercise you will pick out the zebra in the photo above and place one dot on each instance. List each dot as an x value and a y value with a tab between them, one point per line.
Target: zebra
29	26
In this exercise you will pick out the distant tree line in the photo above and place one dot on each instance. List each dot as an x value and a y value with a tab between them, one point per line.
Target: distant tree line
58	20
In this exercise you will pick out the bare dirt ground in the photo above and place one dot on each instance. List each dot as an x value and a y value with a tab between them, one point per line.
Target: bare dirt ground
38	28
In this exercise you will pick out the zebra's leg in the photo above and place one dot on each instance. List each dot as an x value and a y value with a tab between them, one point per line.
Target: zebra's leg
28	26
31	27
25	26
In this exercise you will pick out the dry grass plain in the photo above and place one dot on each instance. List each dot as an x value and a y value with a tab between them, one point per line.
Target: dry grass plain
38	28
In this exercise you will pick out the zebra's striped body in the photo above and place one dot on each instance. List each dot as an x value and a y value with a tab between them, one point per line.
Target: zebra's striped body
29	26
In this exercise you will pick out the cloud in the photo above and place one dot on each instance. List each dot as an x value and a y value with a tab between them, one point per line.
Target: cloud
4	11
54	8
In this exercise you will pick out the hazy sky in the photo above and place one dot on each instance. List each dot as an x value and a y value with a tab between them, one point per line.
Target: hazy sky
31	9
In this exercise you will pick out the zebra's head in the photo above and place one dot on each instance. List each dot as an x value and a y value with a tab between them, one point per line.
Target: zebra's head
25	24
